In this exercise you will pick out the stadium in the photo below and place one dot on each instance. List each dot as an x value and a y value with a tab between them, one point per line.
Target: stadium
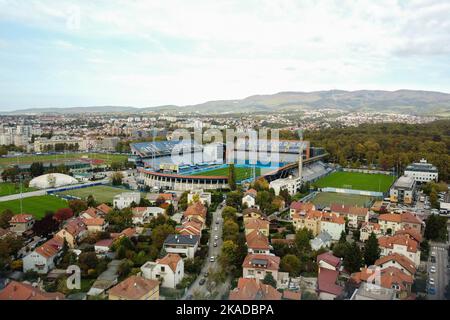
203	166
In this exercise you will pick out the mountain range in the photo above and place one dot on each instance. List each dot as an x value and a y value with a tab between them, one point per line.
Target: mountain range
400	101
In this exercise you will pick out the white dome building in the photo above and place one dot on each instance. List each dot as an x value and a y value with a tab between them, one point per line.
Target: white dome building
52	180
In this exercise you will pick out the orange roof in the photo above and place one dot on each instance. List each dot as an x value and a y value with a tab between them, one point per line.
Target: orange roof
251	192
23	291
196	209
405	217
314	215
400	259
95	222
262	261
251	289
292	295
256	240
166	196
370	225
255	223
391	217
408	217
75	226
343	209
302	206
171	260
21	218
134	288
91	212
388	277
104	208
332	217
414	234
401	240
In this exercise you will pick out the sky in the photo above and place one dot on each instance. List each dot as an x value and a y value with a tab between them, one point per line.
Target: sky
147	53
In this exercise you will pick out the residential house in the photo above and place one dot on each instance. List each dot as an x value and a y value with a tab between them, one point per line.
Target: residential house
196	211
257	242
95	225
168	270
355	215
300	207
252	224
412	233
307	219
366	230
190	227
24	291
327	284
392	222
369	291
257	266
103	209
126	199
252	289
329	261
323	240
398	261
21	223
103	246
249	198
390	278
292	295
74	231
143	215
333	224
44	257
184	245
252	213
403	190
135	288
200	195
401	244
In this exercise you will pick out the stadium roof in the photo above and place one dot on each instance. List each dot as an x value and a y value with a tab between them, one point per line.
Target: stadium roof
162	148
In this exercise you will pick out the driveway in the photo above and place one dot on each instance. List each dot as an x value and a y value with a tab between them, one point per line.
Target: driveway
212	251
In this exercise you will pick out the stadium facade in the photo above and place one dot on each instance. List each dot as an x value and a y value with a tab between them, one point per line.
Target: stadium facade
161	166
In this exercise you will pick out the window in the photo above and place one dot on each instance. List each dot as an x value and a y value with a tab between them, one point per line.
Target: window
163	268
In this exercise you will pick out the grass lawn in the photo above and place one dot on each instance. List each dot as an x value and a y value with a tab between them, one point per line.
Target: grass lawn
4	162
100	193
327	198
242	173
37	206
356	181
7	188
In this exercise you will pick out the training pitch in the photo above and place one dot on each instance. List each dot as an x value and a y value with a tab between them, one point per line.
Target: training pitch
327	198
356	181
37	206
242	173
100	193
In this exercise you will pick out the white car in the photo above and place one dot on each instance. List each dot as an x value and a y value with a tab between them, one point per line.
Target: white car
212	259
215	229
431	281
216	237
433	269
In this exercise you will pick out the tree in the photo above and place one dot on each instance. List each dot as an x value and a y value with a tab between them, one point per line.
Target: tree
90	201
63	214
340	249
269	280
229	213
291	264
234	199
117	178
160	233
261	184
228	255
120	219
36	169
182	203
87	260
160	201
46	225
353	258
302	238
371	250
116	165
232	177
5	217
77	206
424	250
230	230
170	210
436	228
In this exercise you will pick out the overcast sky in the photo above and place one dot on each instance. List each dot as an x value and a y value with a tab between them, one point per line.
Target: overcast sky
148	53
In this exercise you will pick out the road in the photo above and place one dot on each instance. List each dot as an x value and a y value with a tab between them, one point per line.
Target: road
441	276
202	290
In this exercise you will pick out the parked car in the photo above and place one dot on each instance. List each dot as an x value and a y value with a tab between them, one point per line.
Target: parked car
206	274
212	259
216	237
202	281
431	290
215	244
431	281
433	269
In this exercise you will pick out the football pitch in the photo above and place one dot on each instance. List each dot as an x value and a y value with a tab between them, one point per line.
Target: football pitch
241	173
8	188
37	206
100	193
327	198
356	181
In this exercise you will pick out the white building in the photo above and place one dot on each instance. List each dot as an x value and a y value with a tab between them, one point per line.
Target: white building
143	215
124	200
422	171
403	190
42	260
332	224
249	200
169	270
290	184
184	245
203	197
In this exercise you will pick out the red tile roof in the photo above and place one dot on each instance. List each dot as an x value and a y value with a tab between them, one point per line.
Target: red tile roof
196	209
302	206
292	295
255	260
255	223
134	288
388	277
171	260
326	281
329	258
21	218
256	240
104	243
51	247
94	222
400	259
251	289
402	240
104	208
413	233
22	291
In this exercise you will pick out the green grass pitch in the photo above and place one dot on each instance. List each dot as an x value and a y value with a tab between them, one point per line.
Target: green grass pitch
37	206
8	188
100	193
327	198
242	173
356	181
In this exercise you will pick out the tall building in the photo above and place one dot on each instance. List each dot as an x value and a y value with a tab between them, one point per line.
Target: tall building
422	171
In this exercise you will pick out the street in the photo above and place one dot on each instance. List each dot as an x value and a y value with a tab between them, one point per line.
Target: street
441	275
202	290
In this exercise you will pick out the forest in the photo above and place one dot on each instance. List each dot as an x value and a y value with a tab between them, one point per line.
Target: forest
387	146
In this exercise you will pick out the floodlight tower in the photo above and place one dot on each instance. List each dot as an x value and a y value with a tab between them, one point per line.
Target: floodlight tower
300	158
